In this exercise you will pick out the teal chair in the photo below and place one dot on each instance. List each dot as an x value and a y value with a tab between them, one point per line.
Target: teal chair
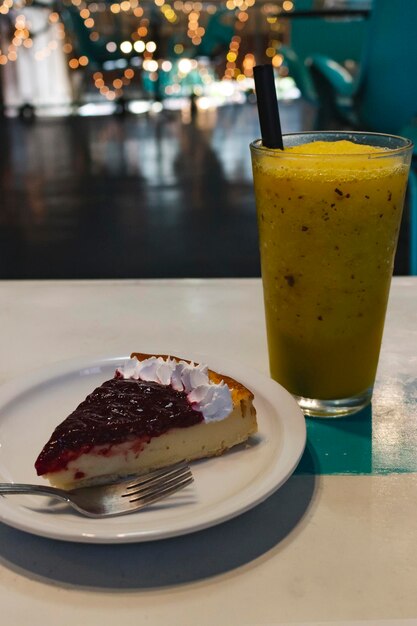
383	96
332	109
341	39
298	70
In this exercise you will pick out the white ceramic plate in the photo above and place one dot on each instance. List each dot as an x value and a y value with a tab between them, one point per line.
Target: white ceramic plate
224	487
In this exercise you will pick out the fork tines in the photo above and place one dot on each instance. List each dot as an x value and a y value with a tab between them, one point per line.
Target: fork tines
159	483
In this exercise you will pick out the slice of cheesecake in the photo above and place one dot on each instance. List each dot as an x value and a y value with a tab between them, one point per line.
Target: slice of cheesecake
156	411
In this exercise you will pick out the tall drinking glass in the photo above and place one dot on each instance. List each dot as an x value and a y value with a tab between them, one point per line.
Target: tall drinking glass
329	210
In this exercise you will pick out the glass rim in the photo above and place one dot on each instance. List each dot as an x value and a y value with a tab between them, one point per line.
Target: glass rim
257	147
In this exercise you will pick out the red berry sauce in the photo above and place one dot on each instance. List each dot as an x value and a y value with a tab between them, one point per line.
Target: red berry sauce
118	411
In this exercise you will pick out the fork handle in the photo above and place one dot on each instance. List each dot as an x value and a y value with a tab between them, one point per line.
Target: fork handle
36	490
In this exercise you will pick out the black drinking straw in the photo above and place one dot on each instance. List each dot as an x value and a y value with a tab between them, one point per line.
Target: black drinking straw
268	112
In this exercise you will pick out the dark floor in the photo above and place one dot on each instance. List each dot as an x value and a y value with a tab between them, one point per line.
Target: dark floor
135	196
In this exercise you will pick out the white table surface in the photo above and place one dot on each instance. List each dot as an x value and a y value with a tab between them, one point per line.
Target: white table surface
323	549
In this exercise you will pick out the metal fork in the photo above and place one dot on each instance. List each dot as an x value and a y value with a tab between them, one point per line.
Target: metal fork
119	498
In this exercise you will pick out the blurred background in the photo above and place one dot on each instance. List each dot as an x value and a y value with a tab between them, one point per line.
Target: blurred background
124	126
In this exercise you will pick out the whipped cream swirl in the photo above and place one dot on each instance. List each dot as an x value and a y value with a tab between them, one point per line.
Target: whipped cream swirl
214	401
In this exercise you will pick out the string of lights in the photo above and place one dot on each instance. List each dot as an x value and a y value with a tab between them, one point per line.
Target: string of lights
23	38
232	71
5	7
114	89
184	16
167	11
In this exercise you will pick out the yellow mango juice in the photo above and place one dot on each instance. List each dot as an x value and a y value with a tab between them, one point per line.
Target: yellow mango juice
329	213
